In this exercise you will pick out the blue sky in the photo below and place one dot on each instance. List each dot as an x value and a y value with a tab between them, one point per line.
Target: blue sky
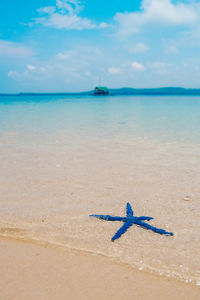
74	45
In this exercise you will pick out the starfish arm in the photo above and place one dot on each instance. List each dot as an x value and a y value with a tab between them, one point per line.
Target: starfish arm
155	229
109	218
122	230
144	218
129	211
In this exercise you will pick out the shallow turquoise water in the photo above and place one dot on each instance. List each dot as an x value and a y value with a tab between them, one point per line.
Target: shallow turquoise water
163	118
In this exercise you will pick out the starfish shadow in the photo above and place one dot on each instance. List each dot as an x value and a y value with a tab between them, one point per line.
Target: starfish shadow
129	220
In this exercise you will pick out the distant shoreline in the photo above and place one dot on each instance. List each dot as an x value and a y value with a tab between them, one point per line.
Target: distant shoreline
166	91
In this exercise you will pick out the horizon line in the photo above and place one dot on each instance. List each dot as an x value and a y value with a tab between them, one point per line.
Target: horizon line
124	91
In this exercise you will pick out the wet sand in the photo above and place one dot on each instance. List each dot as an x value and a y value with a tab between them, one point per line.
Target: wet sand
31	271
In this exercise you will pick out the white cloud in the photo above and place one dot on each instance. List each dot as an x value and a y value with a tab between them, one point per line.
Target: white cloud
103	25
59	21
83	54
161	68
47	9
139	48
69	5
114	70
171	49
80	62
138	66
31	68
65	16
64	55
11	49
158	12
158	65
13	74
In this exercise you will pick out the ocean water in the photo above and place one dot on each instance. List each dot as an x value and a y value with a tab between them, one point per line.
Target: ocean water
63	158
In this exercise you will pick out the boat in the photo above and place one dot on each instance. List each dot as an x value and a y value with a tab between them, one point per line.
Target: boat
101	91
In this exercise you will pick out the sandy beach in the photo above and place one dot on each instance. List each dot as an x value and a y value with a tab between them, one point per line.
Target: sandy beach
31	271
53	176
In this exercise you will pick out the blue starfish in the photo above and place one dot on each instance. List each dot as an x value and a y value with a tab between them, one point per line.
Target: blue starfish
129	220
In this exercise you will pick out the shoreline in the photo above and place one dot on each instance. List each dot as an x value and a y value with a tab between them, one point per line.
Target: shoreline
115	260
36	271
